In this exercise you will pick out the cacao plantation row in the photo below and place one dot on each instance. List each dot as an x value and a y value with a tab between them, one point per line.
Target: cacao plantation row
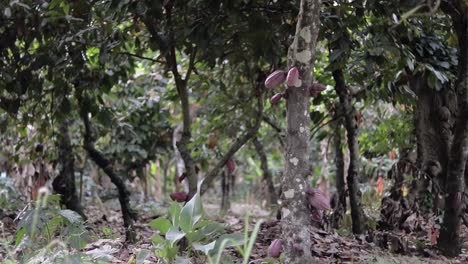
243	131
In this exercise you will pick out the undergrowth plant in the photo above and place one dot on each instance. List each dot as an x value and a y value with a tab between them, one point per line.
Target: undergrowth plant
48	234
186	231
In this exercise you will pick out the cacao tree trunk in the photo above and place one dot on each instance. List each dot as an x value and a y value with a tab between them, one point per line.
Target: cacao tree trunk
449	240
340	207
64	183
357	214
433	124
124	196
225	186
295	216
267	177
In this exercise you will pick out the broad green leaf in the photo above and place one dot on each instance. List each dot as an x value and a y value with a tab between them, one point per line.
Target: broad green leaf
142	255
204	232
174	212
158	240
174	234
192	212
204	248
161	224
72	216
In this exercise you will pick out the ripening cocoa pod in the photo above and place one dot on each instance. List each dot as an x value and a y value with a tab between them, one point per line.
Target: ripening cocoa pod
275	248
316	88
179	197
275	79
292	79
275	99
182	177
231	166
317	199
197	169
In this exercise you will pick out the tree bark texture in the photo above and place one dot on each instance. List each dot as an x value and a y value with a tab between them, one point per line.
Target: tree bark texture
64	183
433	124
357	214
295	214
449	240
340	208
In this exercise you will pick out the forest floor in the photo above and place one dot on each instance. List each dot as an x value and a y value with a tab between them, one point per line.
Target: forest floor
328	247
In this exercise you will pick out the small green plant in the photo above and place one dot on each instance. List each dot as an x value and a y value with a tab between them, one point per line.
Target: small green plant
186	228
9	198
46	233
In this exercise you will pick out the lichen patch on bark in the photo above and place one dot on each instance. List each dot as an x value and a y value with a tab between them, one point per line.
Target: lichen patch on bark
305	34
294	161
304	56
289	194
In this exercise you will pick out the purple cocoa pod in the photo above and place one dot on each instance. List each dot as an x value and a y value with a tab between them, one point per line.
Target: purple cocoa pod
179	197
275	99
317	199
293	77
316	88
275	79
231	166
275	249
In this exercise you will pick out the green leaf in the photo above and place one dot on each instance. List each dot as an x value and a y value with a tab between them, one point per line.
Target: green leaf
158	240
142	255
192	212
204	248
174	234
19	235
174	212
72	216
161	224
205	232
232	240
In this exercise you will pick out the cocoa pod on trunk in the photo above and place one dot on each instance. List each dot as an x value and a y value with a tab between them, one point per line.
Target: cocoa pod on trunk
293	77
275	79
275	99
231	165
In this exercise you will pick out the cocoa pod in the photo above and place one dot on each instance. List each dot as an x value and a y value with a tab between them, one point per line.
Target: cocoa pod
317	199
275	248
275	79
316	88
275	99
292	79
179	197
197	169
231	165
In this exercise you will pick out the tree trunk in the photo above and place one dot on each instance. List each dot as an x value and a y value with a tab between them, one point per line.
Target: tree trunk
64	183
124	196
433	137
295	212
225	188
449	240
340	207
357	214
267	177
